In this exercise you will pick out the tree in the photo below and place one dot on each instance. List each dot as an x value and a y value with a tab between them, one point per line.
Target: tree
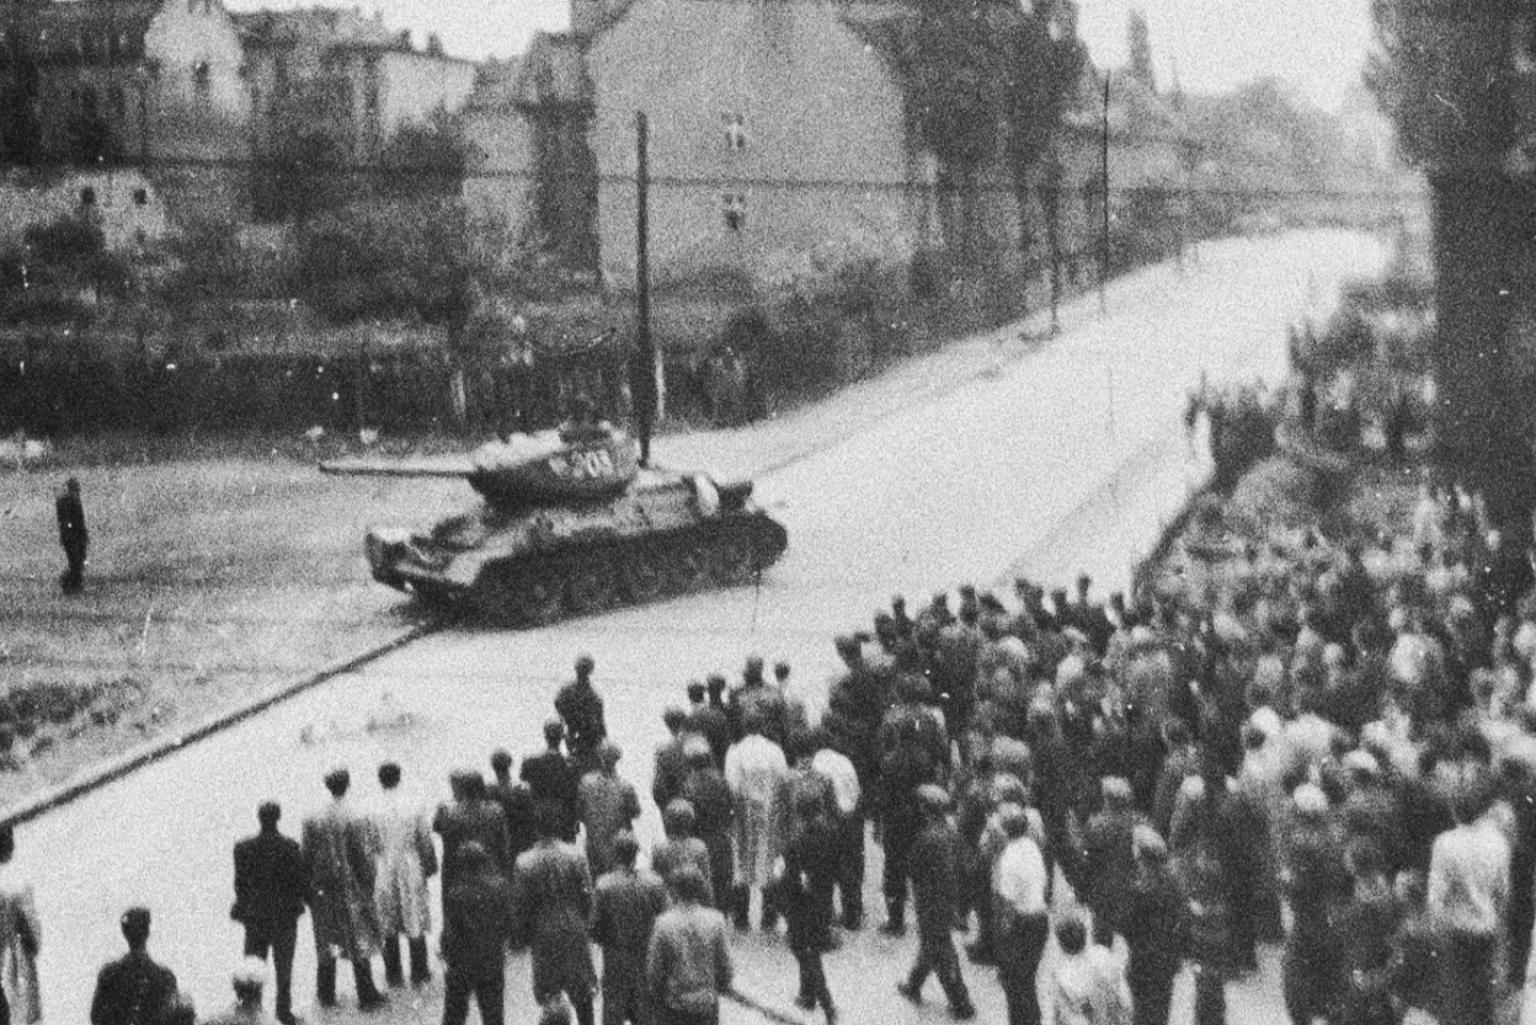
423	159
1445	73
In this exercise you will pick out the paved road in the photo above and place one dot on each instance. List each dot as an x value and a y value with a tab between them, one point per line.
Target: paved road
1066	458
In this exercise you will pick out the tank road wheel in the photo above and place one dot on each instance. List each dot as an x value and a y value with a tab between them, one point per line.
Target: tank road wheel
527	597
640	573
688	569
590	587
732	560
536	601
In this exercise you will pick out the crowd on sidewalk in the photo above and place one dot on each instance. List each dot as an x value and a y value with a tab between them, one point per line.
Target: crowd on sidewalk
1328	744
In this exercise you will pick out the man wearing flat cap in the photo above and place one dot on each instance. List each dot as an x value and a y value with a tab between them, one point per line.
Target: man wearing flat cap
553	780
134	989
580	707
248	978
338	855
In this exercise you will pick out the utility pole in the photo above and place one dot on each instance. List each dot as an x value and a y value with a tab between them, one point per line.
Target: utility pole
1104	192
1053	233
642	382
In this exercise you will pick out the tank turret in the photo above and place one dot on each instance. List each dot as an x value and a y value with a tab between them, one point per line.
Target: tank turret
570	524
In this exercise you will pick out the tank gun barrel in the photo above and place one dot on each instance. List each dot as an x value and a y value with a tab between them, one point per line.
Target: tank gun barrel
459	469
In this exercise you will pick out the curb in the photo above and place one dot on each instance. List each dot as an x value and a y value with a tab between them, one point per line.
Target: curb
760	1007
153	751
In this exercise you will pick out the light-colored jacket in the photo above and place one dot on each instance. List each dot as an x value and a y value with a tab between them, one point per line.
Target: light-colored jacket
755	770
406	860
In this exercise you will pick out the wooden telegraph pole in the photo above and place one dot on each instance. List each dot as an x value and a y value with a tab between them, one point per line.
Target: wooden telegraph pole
1104	193
642	381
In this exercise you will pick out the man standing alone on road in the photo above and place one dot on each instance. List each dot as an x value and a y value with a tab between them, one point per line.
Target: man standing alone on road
271	886
73	537
581	708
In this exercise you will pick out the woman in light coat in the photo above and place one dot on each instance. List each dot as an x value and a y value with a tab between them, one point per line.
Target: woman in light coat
406	860
756	771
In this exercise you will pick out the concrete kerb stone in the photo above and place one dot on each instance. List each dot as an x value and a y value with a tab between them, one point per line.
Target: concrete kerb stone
764	1009
152	751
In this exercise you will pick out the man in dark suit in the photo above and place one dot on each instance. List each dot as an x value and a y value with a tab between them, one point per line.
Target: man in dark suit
134	989
472	815
625	905
477	925
581	707
73	537
271	884
553	780
516	800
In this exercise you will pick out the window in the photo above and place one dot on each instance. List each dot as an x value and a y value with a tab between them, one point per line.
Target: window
735	133
140	197
734	206
202	80
119	102
87	196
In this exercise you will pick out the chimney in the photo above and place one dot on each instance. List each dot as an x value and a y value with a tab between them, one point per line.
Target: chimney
586	17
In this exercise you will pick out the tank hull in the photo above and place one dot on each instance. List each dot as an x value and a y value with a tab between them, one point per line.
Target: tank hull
666	535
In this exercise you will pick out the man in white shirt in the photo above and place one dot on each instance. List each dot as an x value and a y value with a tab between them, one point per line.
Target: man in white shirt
1468	892
1022	924
837	767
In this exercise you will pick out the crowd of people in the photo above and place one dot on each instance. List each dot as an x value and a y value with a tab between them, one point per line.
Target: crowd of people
1325	744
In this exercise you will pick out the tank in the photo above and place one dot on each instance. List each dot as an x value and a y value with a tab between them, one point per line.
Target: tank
568	524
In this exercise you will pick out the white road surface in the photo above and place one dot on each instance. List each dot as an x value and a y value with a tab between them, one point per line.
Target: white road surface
1068	457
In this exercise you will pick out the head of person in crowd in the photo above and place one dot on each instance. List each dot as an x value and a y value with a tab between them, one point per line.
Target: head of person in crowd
912	689
887	633
1361	769
1311	804
1411	888
781	673
501	764
1116	791
585	663
849	650
1367	864
248	978
608	755
554	733
752	671
337	781
1072	934
458	784
474	785
1013	820
1148	846
696	692
1059	603
1470	800
715	684
1006	788
697	752
678	819
268	814
689	886
135	926
389	775
624	848
797	747
674	719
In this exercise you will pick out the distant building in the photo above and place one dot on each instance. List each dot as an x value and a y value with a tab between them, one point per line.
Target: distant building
106	82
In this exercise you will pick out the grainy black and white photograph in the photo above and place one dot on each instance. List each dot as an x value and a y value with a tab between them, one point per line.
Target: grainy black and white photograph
767	512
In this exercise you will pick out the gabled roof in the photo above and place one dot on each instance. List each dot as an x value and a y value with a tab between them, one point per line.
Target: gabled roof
79	30
324	25
554	73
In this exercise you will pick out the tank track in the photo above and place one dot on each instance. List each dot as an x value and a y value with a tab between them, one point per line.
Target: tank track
544	588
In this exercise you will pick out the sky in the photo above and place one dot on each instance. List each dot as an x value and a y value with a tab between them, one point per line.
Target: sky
1317	45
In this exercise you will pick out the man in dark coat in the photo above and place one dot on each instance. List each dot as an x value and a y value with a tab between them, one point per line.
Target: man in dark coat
338	858
907	767
756	694
477	925
580	707
471	815
1109	858
671	767
73	537
1151	923
714	811
935	868
625	906
516	801
551	902
553	780
271	886
134	989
